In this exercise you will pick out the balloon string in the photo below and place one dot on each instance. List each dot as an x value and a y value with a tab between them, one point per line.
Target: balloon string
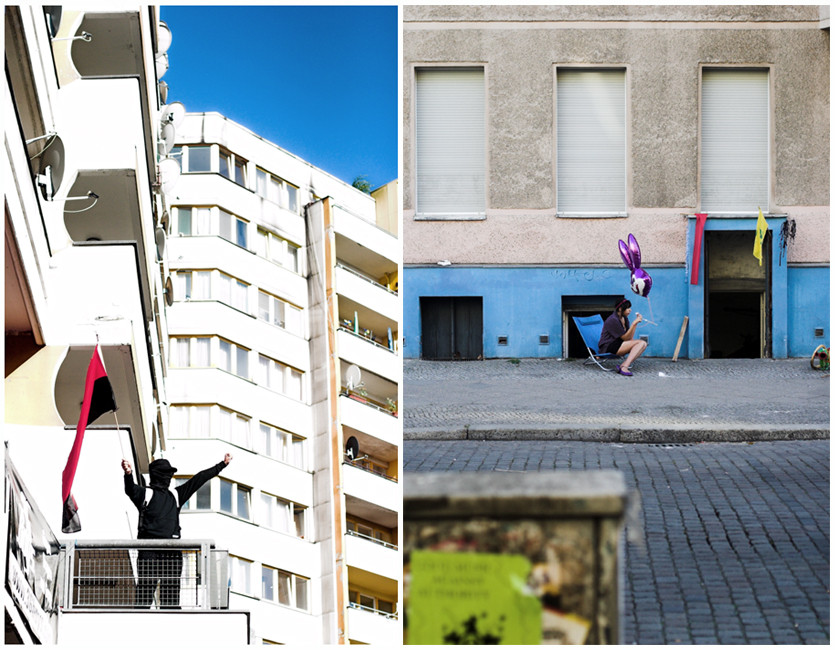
650	313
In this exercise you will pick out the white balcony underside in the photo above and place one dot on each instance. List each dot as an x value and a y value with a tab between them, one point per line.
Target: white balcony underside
371	488
365	293
380	424
373	557
368	627
221	629
364	353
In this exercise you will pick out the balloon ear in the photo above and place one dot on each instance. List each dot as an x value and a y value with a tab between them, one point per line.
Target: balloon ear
626	255
635	250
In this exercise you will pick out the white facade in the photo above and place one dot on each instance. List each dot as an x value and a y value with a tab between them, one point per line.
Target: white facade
249	342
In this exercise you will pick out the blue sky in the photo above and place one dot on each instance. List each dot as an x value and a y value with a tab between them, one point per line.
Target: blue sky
319	81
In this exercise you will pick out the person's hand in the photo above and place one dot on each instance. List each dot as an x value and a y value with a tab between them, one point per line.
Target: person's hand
227	458
126	466
638	318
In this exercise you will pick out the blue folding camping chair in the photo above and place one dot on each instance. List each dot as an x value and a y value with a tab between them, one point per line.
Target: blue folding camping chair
590	328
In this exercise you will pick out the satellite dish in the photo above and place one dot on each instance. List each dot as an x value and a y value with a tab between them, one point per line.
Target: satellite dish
352	448
162	65
169	291
353	376
51	167
166	142
169	174
163	91
163	38
173	114
159	235
53	19
164	221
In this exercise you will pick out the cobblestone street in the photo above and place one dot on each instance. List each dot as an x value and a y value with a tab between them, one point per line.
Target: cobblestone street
735	535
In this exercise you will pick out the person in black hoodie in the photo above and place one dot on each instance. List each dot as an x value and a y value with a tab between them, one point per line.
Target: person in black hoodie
159	518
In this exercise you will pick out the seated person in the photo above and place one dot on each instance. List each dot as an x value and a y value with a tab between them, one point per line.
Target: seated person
618	336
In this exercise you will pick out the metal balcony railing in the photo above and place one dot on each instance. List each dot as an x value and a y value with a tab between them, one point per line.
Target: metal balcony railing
362	276
145	574
389	407
381	542
380	612
367	338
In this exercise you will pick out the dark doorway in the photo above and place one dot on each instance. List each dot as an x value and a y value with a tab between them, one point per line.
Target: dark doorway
451	328
737	296
573	346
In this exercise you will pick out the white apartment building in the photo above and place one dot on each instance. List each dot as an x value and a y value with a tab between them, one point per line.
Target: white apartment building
82	199
282	280
231	331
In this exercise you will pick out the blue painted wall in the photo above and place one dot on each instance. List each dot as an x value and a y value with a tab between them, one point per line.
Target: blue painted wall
524	303
808	308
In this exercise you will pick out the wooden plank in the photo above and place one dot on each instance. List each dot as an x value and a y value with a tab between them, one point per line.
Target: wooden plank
681	337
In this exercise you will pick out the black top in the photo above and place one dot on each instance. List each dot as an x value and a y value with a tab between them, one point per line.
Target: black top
161	518
613	329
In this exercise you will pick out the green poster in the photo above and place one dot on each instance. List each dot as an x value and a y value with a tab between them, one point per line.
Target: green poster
472	599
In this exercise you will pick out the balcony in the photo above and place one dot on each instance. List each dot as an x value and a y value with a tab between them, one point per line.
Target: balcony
367	625
361	242
363	290
121	577
370	488
373	555
362	351
58	593
369	418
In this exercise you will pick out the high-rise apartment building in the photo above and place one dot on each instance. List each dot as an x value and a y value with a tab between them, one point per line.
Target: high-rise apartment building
243	301
283	348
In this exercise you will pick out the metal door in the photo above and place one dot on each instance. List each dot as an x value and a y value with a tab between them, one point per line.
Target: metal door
451	327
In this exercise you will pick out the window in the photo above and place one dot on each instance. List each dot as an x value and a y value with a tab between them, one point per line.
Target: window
201	352
193	220
284	588
275	311
212	285
210	421
190	352
200	500
234	427
280	378
278	250
199	158
283	516
232	167
233	292
281	445
234	499
277	190
232	228
240	572
193	285
190	421
735	151
450	143
591	141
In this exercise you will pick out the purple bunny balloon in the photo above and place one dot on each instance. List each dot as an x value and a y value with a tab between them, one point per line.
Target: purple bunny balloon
640	282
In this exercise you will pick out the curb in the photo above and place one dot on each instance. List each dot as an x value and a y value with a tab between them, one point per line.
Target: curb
625	434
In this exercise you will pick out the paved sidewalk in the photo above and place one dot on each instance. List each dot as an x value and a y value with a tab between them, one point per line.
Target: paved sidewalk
735	543
551	399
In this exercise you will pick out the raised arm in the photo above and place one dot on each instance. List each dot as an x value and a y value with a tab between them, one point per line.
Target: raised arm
196	482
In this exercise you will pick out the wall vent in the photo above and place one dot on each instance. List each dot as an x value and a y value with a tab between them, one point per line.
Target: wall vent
544	339
818	331
502	340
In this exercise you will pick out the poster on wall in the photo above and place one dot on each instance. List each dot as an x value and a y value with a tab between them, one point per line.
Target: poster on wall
32	560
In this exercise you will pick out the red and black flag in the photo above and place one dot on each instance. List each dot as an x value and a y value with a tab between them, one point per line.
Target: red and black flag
98	400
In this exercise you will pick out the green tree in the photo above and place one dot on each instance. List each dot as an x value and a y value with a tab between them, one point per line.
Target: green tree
361	184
